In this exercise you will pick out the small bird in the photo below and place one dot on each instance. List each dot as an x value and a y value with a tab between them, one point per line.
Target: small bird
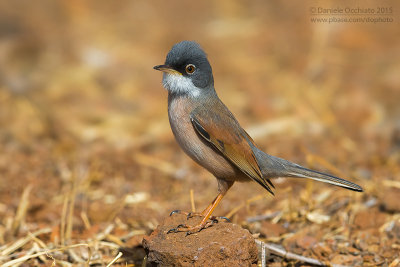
209	133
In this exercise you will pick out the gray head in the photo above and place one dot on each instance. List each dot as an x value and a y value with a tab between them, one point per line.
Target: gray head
187	70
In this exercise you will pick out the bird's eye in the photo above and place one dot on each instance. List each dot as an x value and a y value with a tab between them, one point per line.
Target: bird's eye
190	68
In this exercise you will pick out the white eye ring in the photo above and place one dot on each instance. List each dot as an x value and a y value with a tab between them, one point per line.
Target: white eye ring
190	68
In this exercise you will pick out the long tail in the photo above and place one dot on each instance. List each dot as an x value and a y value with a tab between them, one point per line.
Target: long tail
272	167
301	172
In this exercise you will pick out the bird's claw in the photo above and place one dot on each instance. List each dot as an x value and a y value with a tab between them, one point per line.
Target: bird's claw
193	214
176	229
174	211
173	230
193	231
223	218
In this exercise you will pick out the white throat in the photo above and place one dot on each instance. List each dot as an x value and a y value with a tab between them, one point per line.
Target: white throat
176	83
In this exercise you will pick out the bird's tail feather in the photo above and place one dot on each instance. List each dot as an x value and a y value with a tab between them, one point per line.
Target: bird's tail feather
272	167
301	172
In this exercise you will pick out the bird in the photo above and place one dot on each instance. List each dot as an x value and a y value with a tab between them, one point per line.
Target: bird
209	133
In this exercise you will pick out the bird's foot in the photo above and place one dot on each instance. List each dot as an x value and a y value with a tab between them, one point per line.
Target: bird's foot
218	218
190	229
198	214
178	212
197	228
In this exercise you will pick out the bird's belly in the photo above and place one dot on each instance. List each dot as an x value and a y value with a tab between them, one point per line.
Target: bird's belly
197	148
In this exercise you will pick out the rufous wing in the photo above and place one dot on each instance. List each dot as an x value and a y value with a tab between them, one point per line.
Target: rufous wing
224	133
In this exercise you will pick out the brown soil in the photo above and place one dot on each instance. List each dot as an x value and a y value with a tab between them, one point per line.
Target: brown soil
88	163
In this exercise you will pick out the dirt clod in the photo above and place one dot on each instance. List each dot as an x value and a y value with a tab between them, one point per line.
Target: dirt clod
222	244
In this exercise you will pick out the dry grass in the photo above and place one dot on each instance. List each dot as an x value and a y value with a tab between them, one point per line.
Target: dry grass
89	165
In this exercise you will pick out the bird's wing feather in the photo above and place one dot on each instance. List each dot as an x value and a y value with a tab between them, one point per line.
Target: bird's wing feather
220	128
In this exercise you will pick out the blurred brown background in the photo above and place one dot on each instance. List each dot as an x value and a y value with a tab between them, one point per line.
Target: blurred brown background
84	131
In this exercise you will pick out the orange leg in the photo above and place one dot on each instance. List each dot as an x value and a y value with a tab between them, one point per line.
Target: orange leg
210	209
206	213
203	213
206	210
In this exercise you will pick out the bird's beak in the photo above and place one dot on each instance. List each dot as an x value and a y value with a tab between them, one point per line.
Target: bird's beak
167	69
